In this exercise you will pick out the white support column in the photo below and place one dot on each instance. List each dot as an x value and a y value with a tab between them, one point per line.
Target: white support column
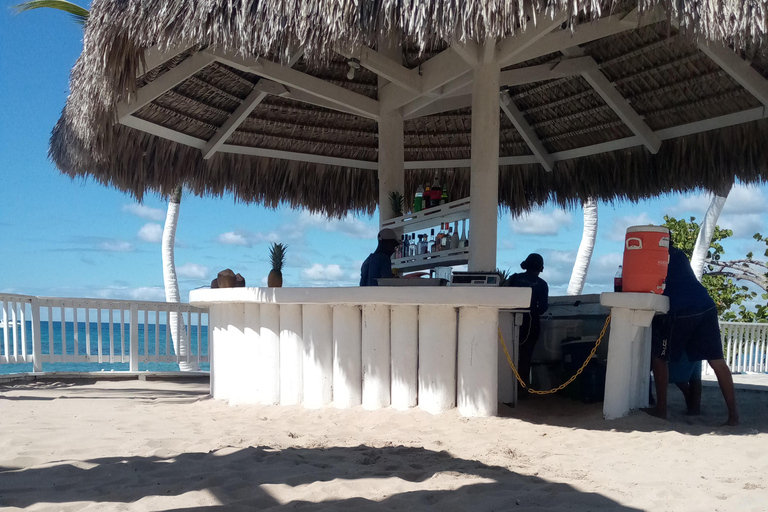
437	358
405	353
347	358
484	176
291	354
478	355
250	388
37	356
629	351
391	143
317	324
376	356
269	354
228	365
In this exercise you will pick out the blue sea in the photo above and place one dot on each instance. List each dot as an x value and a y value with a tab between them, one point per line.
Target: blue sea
119	336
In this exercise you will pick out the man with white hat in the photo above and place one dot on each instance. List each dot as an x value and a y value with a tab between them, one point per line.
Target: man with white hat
379	262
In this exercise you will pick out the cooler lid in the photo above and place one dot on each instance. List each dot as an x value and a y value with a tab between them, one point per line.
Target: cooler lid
657	229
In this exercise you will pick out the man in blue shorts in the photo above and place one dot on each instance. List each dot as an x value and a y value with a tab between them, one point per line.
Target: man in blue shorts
694	330
684	373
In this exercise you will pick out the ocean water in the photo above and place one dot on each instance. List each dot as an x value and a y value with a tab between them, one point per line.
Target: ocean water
116	347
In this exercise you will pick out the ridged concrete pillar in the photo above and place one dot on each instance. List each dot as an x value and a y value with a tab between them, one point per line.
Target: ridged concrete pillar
478	360
269	381
437	358
347	359
376	356
318	355
251	351
291	355
405	355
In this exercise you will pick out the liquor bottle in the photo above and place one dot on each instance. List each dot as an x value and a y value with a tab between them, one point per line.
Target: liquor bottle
432	240
412	246
404	248
444	196
427	199
423	244
437	192
618	280
465	242
455	236
446	241
418	200
439	239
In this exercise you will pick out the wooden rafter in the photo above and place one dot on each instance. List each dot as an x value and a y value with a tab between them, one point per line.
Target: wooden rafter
525	130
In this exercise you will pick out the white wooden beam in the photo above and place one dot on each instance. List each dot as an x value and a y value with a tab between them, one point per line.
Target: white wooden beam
164	83
153	57
231	124
293	79
385	67
586	33
162	132
437	72
739	69
590	71
509	47
468	50
436	107
532	74
299	157
525	130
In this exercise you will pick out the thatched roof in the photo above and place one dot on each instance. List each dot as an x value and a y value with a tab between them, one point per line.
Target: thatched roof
662	72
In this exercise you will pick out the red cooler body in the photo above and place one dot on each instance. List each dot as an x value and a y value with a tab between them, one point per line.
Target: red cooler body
646	259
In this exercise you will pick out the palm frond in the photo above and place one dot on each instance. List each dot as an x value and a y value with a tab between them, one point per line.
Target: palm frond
80	14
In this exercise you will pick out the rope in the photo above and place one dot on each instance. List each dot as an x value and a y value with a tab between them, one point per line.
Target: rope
561	386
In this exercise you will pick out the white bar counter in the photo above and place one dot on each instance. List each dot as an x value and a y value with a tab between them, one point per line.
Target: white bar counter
627	378
431	347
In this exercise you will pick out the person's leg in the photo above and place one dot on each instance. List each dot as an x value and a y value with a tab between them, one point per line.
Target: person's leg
685	388
725	380
694	404
661	379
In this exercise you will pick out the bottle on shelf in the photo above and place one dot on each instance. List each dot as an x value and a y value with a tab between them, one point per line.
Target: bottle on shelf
618	280
455	236
431	243
444	196
437	192
418	200
427	199
446	241
404	248
439	239
464	241
423	244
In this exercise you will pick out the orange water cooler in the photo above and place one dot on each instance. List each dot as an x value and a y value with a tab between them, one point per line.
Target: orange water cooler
646	259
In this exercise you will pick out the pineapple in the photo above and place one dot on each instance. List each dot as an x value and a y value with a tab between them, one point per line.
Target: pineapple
277	258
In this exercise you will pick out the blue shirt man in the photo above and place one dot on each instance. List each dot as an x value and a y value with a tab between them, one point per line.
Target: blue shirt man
379	262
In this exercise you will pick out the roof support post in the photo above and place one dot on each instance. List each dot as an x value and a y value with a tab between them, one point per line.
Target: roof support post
484	174
391	142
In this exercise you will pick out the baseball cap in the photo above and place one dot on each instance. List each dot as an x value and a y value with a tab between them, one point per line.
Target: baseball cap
388	234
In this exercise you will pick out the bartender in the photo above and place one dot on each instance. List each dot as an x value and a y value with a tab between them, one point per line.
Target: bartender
379	262
529	331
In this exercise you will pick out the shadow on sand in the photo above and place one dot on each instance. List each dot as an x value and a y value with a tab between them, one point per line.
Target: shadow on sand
262	478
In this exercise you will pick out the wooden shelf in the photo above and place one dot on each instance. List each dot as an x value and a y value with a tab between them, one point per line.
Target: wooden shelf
425	219
446	258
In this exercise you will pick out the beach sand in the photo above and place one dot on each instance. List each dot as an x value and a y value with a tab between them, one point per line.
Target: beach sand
166	445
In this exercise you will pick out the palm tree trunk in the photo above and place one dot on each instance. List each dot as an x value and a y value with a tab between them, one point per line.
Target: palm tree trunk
706	230
178	329
583	257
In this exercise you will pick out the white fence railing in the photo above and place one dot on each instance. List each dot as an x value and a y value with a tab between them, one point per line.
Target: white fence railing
745	346
41	330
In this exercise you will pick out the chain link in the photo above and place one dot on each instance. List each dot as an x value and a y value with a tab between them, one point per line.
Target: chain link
561	386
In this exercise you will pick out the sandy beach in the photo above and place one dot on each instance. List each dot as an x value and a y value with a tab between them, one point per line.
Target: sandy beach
166	445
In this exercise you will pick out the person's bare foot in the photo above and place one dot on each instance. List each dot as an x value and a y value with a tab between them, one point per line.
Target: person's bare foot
656	412
693	412
733	421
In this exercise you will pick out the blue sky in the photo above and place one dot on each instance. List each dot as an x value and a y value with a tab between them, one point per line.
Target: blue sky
80	239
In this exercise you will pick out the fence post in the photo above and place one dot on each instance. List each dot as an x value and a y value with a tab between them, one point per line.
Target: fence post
37	356
133	364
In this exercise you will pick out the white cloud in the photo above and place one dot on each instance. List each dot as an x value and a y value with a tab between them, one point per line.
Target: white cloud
695	205
618	229
116	246
192	271
246	238
743	226
318	272
745	200
540	223
151	232
145	212
149	293
348	225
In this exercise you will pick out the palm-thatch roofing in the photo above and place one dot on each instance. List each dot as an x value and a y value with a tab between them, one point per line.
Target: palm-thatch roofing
712	121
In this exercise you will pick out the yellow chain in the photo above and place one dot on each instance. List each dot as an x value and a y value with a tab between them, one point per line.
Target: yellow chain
561	386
